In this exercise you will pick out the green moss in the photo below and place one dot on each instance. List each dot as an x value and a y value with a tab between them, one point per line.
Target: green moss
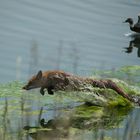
121	102
91	117
87	111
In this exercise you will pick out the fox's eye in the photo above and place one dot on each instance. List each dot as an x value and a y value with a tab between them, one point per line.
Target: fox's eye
30	83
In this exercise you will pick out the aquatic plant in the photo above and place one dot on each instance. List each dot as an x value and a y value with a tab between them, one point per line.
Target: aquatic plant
28	114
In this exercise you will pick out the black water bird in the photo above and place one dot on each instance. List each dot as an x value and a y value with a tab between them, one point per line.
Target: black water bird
133	27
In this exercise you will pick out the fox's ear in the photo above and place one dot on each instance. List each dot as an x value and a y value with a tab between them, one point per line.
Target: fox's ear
39	75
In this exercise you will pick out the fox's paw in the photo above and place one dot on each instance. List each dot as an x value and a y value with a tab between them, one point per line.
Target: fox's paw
50	90
42	91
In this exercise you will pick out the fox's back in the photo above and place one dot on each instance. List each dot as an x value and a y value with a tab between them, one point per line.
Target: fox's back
50	73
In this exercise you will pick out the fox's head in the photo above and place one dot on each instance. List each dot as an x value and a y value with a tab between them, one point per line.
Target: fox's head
34	82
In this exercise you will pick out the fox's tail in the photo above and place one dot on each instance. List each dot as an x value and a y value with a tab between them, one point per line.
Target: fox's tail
112	85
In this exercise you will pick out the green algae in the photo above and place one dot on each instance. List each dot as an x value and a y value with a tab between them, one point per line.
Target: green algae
93	117
105	110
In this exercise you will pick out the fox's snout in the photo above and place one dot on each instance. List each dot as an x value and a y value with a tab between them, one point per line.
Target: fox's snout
25	87
34	82
28	87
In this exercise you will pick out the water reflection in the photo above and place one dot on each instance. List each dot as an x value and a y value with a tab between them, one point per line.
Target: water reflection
78	122
134	43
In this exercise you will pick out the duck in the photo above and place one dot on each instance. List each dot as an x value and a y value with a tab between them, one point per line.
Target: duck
133	27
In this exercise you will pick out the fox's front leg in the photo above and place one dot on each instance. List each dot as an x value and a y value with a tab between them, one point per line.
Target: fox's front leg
42	91
50	88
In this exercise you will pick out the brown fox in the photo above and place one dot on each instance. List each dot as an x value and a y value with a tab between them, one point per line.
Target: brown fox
59	80
50	80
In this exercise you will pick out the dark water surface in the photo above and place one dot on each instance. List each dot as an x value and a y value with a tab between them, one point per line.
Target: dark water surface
77	36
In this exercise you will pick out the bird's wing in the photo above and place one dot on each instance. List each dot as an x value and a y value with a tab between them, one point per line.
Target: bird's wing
137	25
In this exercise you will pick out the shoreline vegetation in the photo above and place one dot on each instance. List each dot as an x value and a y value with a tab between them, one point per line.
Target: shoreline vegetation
25	115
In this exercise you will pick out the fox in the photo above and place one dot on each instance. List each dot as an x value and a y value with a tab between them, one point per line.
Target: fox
49	80
59	80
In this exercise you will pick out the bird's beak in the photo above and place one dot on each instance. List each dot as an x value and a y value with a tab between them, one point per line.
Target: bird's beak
125	21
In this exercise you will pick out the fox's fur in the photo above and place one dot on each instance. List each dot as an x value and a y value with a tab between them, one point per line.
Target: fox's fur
59	80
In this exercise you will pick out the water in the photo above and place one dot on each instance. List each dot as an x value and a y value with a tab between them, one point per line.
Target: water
76	36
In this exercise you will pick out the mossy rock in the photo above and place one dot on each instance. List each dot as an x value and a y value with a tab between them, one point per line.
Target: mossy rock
105	97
